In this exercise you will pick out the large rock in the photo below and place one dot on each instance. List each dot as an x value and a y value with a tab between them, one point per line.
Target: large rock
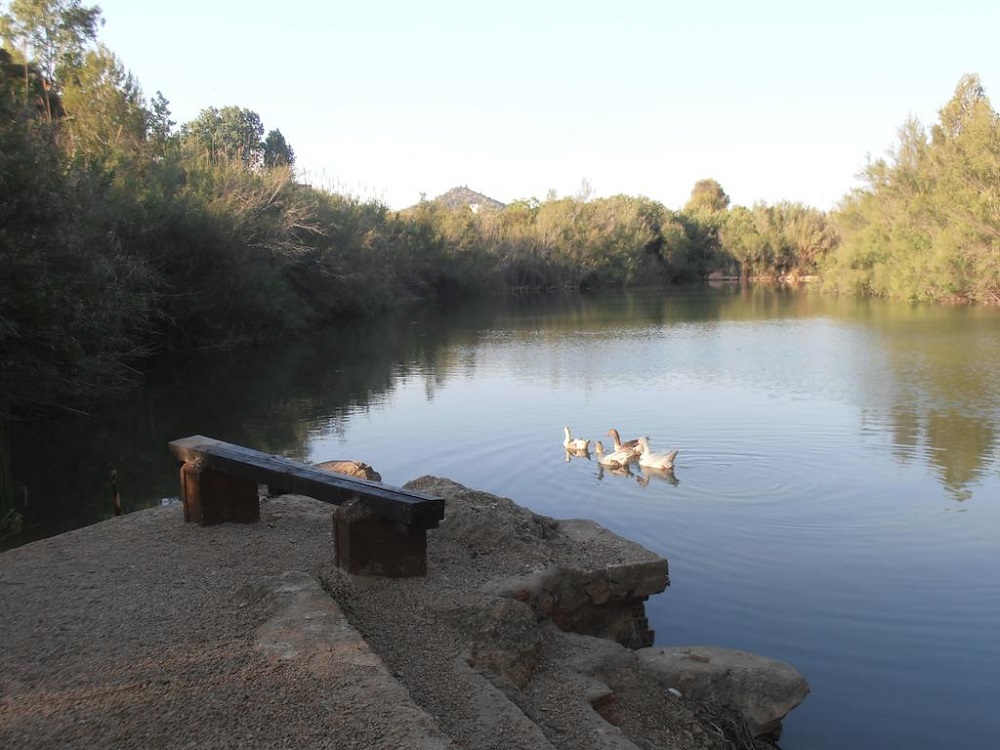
605	602
761	689
350	468
358	469
576	573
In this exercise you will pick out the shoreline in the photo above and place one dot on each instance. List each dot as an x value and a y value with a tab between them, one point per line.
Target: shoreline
145	631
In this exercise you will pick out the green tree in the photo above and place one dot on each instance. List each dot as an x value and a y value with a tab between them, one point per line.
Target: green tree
277	152
742	239
707	195
961	109
73	308
925	226
703	216
809	236
159	125
51	34
22	82
227	134
106	118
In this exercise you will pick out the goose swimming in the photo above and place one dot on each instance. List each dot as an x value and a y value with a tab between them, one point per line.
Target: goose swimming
655	459
614	460
574	444
632	445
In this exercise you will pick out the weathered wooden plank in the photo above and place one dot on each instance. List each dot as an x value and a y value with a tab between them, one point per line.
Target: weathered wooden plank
412	508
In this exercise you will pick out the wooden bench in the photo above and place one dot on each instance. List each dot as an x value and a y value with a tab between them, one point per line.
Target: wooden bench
378	529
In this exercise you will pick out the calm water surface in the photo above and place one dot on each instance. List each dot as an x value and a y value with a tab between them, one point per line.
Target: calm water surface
835	503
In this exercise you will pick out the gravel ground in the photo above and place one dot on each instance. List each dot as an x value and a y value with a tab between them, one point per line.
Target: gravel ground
146	632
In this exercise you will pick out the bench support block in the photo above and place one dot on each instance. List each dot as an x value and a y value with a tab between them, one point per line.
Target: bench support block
368	545
211	497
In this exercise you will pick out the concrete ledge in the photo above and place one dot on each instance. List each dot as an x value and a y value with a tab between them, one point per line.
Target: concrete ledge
309	633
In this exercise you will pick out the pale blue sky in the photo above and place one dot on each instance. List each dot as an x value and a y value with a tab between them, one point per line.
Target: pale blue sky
775	100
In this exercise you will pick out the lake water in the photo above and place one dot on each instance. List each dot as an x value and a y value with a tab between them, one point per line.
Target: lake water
835	502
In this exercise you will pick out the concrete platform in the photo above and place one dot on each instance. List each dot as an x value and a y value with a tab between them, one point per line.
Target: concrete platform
146	632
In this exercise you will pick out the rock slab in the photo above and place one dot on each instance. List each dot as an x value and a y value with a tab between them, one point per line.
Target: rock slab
761	689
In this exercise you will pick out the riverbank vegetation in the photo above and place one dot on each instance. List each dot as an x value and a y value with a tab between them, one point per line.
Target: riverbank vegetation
926	224
122	233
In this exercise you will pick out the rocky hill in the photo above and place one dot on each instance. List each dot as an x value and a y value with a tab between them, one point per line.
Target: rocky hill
463	197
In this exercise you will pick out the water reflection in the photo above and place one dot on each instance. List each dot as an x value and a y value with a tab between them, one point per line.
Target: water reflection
622	470
268	397
959	446
927	378
940	392
662	475
929	375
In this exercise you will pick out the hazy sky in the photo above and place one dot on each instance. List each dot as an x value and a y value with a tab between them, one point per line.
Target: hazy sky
775	100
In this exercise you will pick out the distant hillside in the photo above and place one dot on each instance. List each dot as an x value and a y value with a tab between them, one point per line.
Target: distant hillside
463	197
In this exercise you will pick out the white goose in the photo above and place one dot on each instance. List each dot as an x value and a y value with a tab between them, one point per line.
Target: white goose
574	444
655	460
615	460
